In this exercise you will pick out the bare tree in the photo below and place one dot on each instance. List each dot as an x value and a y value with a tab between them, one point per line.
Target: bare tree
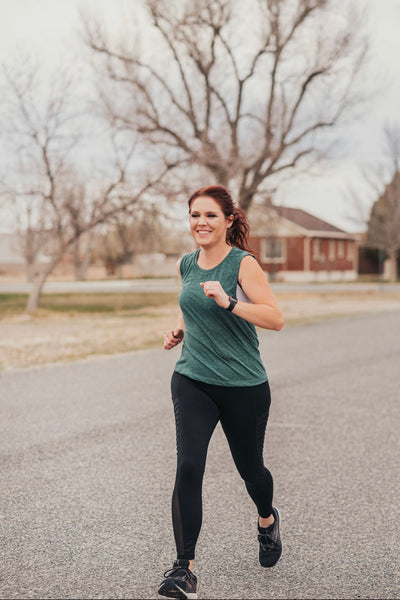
129	235
76	205
384	219
114	247
43	125
29	224
83	253
246	91
103	205
37	123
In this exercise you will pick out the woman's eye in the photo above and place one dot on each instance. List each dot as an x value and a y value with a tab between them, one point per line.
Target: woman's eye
197	215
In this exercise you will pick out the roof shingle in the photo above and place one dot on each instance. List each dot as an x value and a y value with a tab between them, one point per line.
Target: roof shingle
305	220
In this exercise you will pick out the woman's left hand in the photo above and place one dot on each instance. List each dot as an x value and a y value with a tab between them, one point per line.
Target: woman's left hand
213	289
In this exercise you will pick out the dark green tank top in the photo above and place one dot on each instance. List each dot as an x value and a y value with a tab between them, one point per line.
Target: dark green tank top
218	347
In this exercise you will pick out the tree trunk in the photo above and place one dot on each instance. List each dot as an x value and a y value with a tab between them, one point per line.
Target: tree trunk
81	263
30	271
80	271
38	283
78	262
88	254
393	266
246	200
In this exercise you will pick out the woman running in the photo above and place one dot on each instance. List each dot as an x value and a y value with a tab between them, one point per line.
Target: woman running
219	376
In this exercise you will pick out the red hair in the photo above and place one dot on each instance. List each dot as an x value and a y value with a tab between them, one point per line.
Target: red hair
238	234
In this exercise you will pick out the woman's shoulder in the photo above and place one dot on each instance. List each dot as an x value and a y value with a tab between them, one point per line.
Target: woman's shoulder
239	254
186	261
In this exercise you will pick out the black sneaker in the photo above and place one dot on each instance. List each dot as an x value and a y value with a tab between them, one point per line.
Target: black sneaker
270	542
179	581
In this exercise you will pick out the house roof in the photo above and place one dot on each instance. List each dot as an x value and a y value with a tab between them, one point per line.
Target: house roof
285	221
306	220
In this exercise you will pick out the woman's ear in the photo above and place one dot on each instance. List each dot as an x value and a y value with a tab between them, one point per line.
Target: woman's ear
230	220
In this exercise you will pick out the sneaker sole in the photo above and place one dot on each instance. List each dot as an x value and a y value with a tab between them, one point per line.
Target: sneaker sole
176	592
279	519
187	594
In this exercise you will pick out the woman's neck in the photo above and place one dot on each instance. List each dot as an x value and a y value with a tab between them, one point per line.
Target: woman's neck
212	256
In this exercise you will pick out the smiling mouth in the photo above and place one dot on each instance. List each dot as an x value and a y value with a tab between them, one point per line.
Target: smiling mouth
202	231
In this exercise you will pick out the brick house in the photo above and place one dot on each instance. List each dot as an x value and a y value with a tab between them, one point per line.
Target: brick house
293	245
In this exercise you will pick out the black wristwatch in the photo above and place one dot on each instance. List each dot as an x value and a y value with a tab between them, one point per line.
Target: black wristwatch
232	303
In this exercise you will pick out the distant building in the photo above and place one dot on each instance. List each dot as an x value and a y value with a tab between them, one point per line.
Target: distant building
294	245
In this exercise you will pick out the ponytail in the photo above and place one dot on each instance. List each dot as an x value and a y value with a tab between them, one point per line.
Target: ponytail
238	233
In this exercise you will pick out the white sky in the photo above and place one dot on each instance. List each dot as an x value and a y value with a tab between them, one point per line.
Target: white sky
48	29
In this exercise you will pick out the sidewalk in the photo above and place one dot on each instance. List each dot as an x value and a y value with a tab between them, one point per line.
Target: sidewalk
172	284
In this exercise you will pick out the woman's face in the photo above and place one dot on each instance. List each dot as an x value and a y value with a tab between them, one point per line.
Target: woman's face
208	223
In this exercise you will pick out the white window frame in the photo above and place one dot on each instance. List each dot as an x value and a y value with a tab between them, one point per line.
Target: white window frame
340	249
270	259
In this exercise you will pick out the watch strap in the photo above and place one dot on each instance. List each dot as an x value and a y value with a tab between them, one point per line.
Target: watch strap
232	303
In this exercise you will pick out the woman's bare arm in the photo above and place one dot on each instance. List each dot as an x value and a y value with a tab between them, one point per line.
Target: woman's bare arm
264	310
173	337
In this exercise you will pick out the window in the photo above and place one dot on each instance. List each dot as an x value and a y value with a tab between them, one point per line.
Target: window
350	250
340	249
273	250
331	249
316	249
318	254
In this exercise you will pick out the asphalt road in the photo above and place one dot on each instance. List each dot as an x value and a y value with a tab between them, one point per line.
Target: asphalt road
87	469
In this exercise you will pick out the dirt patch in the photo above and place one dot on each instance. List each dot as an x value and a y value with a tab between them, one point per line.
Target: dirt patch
54	337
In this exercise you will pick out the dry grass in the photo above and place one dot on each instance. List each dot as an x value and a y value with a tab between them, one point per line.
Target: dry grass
54	336
306	306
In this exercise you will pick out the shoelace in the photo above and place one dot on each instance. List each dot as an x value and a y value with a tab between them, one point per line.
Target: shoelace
187	573
266	540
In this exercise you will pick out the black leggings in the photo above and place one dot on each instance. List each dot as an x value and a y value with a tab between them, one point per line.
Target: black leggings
243	412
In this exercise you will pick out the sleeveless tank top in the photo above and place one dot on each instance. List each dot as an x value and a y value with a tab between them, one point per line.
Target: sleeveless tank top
219	347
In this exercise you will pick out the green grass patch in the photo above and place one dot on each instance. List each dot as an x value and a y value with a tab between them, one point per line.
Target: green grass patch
14	304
